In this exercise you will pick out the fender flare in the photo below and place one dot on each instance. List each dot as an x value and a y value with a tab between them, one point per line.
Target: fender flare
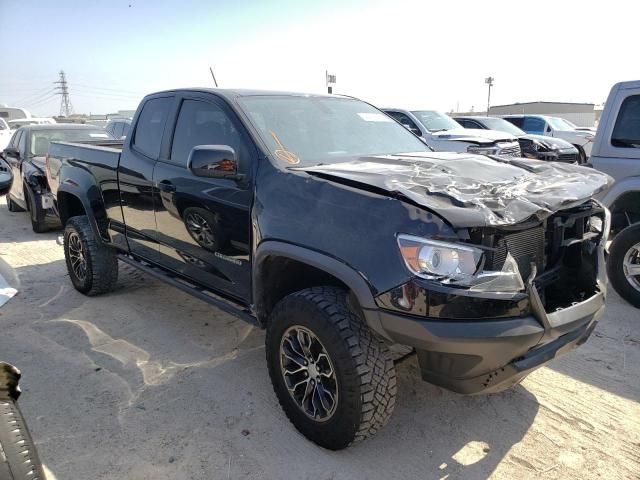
82	185
353	279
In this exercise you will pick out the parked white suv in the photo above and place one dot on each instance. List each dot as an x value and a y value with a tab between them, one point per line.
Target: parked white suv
555	127
444	134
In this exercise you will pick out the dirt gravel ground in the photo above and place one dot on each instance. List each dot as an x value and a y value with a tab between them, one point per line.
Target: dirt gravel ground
149	383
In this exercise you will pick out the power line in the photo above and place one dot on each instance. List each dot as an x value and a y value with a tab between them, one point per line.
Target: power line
35	96
66	108
43	101
107	95
105	89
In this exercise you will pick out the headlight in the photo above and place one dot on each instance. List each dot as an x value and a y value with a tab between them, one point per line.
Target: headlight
482	150
542	146
457	264
432	259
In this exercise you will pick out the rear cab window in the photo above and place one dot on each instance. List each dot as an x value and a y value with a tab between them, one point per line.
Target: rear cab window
626	132
150	127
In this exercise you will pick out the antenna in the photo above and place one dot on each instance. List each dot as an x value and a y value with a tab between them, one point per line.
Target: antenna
66	108
214	77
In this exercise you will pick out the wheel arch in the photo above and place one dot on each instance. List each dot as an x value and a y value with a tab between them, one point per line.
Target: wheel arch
623	200
280	268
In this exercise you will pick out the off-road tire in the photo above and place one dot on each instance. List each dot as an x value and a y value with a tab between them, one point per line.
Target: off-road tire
36	214
621	244
18	457
364	368
101	260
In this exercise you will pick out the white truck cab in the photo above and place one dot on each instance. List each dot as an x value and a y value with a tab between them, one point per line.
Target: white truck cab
616	151
555	127
444	134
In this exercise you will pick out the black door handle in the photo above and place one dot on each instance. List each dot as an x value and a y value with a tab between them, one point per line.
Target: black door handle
166	186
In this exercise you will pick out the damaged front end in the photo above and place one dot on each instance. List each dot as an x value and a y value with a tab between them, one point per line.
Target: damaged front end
545	291
519	281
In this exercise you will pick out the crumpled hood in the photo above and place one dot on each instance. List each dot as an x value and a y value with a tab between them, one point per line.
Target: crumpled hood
472	190
473	134
553	143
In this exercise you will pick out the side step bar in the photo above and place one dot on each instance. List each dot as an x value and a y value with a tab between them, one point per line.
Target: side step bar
198	292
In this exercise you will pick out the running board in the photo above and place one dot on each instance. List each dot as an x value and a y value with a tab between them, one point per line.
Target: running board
188	287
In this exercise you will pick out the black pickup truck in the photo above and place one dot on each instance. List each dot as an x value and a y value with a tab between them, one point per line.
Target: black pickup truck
330	225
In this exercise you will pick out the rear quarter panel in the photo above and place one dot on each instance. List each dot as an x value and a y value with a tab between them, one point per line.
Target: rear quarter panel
89	173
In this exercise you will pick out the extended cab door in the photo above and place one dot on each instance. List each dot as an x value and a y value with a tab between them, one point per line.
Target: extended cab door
618	143
135	175
204	223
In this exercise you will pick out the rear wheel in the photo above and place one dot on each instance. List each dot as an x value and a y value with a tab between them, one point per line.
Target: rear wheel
623	264
92	265
335	380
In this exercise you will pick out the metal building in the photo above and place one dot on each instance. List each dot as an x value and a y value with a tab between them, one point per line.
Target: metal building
582	114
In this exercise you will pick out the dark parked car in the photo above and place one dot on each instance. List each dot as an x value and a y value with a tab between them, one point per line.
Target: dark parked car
26	154
118	127
555	127
532	146
329	224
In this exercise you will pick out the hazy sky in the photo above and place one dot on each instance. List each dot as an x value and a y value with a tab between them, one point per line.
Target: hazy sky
421	54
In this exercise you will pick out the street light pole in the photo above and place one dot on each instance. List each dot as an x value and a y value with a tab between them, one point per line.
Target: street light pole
331	80
489	82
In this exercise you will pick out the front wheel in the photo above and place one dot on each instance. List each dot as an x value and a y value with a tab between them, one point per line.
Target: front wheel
334	379
92	265
623	264
36	214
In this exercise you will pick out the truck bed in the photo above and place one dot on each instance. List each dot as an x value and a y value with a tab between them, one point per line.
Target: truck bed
101	158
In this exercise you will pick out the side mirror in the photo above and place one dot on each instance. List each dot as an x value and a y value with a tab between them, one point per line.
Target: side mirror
6	178
12	152
214	161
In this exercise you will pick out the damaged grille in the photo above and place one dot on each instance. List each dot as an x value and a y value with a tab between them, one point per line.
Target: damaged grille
510	151
568	157
563	249
526	247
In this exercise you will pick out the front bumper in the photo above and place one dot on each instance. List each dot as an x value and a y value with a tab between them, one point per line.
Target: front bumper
485	345
485	356
48	210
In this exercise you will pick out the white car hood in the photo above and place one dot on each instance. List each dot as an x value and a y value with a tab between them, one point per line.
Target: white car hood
474	135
